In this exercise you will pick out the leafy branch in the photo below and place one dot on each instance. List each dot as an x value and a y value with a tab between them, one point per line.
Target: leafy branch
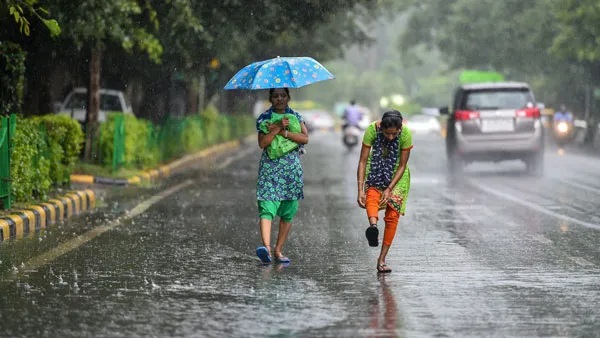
17	9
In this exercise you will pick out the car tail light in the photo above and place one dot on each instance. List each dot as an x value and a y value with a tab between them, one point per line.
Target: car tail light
528	112
466	115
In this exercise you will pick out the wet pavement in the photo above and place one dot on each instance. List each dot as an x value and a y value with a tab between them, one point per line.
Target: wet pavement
497	254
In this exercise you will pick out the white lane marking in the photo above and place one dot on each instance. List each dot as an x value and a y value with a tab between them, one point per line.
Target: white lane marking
580	186
581	261
234	157
74	243
535	207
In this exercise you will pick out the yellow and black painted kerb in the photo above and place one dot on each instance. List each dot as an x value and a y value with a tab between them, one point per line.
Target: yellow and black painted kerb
34	218
163	171
147	176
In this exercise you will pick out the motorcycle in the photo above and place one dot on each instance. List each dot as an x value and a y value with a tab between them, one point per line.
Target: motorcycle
351	136
563	130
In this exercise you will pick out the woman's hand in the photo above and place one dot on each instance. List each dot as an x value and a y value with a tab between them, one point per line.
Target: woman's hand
385	196
362	198
275	127
284	123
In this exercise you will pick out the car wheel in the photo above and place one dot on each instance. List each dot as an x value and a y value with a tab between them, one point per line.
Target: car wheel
455	164
535	163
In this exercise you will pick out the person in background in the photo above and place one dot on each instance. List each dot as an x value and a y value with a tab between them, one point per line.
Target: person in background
280	180
352	115
563	115
384	178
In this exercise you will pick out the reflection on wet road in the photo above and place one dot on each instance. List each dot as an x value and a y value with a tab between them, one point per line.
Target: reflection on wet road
496	254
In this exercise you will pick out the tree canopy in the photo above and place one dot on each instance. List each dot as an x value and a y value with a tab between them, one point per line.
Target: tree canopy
551	43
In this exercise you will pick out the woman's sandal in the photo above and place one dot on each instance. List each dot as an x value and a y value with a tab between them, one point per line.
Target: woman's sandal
282	259
263	254
383	268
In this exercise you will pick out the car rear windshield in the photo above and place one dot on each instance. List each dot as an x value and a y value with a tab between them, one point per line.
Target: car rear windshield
497	99
107	102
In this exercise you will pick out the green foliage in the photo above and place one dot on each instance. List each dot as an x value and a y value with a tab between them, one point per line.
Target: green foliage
65	140
210	122
99	23
17	8
551	44
12	76
579	30
193	134
30	162
139	152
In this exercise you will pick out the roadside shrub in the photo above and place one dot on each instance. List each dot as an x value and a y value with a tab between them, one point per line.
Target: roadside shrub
30	162
65	141
139	150
225	128
210	122
193	134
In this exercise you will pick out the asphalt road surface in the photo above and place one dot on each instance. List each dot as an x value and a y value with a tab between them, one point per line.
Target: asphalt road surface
494	254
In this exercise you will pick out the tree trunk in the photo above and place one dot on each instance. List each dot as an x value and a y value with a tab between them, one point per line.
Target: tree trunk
191	104
91	118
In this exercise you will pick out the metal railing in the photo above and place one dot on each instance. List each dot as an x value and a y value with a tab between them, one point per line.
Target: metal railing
7	130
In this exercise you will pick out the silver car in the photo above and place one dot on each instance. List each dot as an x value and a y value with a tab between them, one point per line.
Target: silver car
494	121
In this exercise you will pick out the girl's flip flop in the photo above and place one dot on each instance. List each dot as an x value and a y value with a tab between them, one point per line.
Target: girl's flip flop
383	268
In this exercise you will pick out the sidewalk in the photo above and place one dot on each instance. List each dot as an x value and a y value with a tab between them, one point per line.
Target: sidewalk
34	218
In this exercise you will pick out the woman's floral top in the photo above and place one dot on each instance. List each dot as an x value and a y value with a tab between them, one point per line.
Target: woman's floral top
280	179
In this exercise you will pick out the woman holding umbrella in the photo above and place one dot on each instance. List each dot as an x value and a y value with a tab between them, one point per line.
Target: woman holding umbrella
384	178
280	177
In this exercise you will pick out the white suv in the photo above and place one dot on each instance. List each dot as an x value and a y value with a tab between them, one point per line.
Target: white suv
494	122
75	104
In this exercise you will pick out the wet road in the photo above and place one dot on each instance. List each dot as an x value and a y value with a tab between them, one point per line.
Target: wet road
497	254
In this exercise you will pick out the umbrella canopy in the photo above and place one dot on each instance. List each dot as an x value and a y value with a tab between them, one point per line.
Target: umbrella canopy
280	72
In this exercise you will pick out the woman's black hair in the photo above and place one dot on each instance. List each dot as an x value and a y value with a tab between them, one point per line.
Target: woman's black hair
391	119
287	91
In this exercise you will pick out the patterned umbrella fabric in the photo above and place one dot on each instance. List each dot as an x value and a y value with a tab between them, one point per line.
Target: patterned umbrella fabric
280	72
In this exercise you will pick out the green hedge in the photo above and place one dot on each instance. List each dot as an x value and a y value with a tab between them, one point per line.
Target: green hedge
47	148
45	151
147	145
65	140
29	152
139	150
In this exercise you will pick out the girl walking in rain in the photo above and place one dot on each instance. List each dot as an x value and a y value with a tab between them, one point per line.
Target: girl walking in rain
282	135
384	178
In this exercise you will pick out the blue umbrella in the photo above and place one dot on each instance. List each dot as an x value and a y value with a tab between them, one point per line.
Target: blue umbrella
280	72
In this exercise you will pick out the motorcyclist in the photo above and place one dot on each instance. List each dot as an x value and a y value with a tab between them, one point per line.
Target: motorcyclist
562	132
563	115
352	115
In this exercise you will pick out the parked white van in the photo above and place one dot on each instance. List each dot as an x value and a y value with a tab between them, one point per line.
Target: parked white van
75	104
